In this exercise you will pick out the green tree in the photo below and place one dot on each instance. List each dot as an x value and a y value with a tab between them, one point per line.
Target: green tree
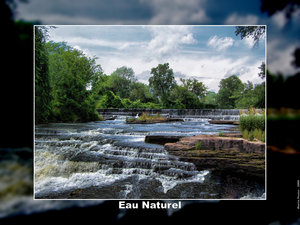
73	79
256	32
211	98
42	81
113	101
140	91
121	80
182	98
230	91
247	98
259	93
162	81
262	72
194	86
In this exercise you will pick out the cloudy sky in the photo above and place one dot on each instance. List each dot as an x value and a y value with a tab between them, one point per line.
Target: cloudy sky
207	53
283	34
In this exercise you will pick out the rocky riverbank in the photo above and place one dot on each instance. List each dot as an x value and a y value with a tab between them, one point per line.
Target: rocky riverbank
222	155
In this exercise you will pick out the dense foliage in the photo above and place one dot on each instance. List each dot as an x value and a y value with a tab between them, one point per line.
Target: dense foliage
70	87
42	81
252	126
72	76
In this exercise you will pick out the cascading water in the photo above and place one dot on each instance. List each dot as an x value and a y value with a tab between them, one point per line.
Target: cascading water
110	160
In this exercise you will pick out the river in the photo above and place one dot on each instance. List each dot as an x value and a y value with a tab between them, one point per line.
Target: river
110	160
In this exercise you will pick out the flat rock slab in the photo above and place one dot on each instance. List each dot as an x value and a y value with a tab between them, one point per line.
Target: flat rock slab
224	122
213	142
225	155
161	140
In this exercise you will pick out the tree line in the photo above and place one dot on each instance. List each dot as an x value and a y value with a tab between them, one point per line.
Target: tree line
69	86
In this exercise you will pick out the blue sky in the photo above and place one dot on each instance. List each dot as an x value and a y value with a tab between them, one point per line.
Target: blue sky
207	53
283	35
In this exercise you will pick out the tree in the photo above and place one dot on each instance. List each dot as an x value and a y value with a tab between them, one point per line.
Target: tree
73	78
140	91
256	32
230	91
247	98
259	93
210	99
194	86
162	81
182	98
42	81
262	72
121	81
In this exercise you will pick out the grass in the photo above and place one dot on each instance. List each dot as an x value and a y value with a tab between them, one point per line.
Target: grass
252	122
198	145
252	125
254	134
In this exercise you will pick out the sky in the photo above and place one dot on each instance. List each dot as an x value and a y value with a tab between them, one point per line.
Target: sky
207	53
283	35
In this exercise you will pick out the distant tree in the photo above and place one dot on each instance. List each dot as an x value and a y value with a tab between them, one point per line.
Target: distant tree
247	98
182	98
260	95
194	86
211	98
162	81
230	91
140	91
121	81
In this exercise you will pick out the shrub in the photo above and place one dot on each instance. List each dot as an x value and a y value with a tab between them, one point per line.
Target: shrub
251	136
245	134
221	134
263	137
252	122
198	145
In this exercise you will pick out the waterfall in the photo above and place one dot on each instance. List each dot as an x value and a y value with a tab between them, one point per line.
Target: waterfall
68	159
215	114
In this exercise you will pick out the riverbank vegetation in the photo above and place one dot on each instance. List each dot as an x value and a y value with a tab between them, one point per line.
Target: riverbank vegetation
252	126
70	87
146	118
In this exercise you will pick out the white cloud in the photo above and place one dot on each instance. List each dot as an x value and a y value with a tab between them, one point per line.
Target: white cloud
249	42
79	41
279	19
280	57
236	19
177	11
167	43
219	43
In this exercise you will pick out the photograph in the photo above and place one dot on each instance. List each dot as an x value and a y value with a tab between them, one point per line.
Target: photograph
149	112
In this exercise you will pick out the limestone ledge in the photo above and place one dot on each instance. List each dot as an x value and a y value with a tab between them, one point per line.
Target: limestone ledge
223	155
213	142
